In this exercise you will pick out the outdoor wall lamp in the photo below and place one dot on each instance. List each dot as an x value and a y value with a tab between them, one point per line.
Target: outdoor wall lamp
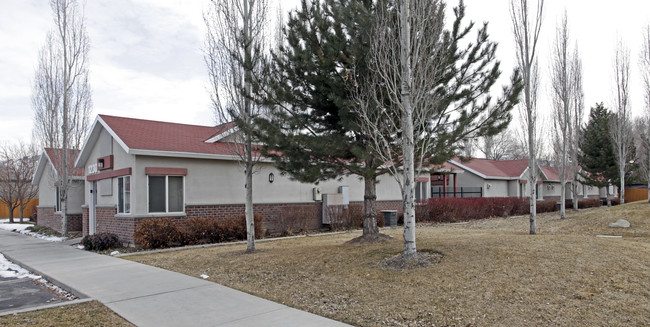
271	178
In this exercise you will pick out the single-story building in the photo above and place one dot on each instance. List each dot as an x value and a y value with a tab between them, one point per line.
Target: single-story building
137	169
50	206
491	178
552	188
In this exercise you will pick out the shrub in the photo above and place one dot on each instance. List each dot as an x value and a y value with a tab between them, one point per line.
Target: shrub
294	220
588	203
100	242
34	217
546	206
616	201
157	233
198	230
463	209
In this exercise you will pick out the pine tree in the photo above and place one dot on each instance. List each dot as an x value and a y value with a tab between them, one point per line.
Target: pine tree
596	157
314	134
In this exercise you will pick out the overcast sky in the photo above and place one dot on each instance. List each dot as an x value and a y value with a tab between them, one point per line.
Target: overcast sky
146	62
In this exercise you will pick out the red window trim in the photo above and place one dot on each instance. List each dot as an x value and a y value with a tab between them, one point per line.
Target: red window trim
165	171
109	174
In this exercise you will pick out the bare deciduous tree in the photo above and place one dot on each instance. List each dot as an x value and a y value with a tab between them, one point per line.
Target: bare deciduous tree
61	96
17	166
503	146
566	81
234	52
620	125
644	65
526	31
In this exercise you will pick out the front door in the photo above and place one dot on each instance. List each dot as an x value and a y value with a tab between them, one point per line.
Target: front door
92	215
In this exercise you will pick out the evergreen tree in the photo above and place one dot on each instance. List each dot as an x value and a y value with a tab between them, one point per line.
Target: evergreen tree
313	133
596	150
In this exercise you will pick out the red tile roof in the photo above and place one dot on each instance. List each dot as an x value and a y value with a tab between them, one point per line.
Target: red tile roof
495	168
56	154
553	173
163	136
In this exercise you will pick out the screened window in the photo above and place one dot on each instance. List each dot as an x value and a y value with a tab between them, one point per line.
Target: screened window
124	194
166	194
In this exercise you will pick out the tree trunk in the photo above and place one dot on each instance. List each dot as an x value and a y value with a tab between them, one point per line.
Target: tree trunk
621	191
574	186
11	214
21	214
370	207
64	218
250	219
408	191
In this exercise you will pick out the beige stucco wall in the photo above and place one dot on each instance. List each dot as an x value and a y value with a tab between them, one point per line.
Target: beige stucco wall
46	189
105	146
47	192
210	182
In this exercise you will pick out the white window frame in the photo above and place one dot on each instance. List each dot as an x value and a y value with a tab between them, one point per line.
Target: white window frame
166	194
122	193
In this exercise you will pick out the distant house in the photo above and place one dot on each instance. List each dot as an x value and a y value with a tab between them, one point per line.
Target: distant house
492	178
503	178
552	188
50	205
137	169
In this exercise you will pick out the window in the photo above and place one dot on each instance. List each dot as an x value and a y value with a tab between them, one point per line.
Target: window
124	194
166	194
420	191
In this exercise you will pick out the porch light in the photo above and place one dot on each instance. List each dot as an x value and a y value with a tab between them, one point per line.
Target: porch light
271	178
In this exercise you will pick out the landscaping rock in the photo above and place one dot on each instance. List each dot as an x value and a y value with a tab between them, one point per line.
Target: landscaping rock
621	223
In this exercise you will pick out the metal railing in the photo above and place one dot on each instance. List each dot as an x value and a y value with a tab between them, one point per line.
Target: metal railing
461	192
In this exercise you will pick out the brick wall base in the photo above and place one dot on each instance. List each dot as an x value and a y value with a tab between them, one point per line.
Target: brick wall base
47	216
278	218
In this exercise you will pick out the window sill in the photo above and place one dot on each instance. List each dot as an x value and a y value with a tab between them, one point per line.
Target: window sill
157	215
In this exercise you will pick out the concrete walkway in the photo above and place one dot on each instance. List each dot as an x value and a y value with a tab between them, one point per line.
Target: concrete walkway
145	295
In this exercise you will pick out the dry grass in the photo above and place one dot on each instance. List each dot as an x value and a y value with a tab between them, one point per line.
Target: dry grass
492	273
84	314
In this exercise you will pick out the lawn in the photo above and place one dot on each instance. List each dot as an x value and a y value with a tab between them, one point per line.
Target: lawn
85	314
492	274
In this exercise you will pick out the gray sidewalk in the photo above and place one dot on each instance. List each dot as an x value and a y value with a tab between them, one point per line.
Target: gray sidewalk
149	296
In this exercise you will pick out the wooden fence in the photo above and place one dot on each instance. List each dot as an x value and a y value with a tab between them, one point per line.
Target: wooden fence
4	210
636	194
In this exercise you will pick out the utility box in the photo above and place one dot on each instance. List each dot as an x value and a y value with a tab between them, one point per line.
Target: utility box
390	218
318	196
332	205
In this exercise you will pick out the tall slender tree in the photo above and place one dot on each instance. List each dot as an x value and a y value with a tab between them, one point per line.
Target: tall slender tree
61	96
526	30
562	93
620	128
644	68
235	49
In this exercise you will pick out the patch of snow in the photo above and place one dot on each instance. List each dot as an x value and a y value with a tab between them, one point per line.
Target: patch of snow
6	220
9	269
22	228
115	252
14	227
78	246
44	237
204	276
